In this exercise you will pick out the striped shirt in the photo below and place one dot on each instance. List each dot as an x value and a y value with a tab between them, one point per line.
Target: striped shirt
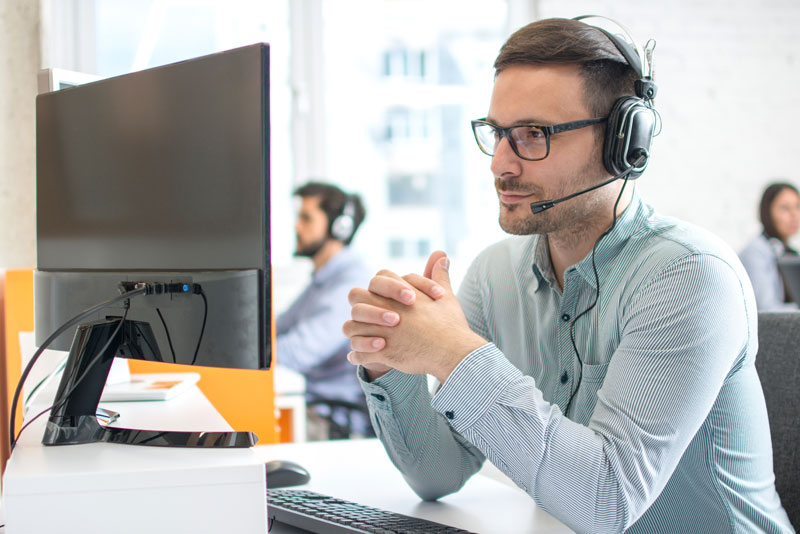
659	425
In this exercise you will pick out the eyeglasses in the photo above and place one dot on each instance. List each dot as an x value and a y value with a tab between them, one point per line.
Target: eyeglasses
528	141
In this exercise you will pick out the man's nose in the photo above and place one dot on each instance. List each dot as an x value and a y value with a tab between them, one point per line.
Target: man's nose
505	160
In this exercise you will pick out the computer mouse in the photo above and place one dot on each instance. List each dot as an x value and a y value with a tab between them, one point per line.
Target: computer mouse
283	473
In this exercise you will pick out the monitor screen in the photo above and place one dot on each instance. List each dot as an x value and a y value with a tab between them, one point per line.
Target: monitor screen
161	175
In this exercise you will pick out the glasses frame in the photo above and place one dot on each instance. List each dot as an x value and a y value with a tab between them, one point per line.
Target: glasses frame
548	131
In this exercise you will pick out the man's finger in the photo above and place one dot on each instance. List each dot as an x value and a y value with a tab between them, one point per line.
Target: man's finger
426	285
393	288
435	256
367	359
352	329
366	313
440	272
367	344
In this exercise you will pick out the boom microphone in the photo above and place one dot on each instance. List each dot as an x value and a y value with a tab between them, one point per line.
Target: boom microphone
538	207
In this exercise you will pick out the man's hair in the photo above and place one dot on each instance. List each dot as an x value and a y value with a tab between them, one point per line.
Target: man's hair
332	201
765	208
605	72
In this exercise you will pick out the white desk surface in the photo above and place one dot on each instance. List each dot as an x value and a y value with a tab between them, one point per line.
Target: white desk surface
131	486
360	471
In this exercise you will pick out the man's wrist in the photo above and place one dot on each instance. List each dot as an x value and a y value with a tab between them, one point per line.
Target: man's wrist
470	345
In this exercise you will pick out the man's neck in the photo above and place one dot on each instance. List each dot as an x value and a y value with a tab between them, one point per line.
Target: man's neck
330	249
572	245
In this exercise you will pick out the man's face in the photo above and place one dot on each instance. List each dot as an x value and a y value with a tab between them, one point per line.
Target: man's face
311	227
546	95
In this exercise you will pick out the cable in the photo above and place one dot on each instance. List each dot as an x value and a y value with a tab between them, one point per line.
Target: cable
199	291
65	397
203	328
169	339
596	278
42	385
78	318
131	289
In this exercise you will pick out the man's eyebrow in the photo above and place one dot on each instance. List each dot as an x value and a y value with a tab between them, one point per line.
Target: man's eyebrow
522	122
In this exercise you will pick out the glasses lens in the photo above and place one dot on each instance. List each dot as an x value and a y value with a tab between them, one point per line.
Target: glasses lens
486	136
531	142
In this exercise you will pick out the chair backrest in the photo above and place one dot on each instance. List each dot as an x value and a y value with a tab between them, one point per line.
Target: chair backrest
778	365
341	417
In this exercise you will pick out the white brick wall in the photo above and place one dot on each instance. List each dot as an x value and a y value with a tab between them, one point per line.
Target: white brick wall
19	62
728	75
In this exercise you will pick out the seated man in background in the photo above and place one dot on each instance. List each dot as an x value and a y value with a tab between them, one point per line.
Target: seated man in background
309	336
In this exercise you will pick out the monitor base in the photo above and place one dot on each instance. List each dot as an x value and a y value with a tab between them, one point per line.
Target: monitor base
87	430
73	418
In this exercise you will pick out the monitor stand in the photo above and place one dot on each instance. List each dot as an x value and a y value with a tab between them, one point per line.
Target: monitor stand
74	420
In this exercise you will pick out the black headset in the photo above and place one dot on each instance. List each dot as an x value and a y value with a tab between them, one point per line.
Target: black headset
344	225
632	121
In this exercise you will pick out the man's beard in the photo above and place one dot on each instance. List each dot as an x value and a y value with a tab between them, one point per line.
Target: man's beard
576	213
310	250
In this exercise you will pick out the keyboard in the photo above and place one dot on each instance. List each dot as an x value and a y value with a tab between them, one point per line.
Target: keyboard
328	515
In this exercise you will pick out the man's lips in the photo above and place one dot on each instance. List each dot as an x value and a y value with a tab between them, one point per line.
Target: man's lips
514	197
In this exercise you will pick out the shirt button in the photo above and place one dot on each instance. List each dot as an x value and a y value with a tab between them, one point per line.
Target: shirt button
565	317
379	397
449	414
564	378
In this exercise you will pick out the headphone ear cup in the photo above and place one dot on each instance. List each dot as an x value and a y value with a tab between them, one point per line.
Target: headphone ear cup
629	133
344	225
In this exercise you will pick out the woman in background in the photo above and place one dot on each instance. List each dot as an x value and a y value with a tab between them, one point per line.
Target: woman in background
780	219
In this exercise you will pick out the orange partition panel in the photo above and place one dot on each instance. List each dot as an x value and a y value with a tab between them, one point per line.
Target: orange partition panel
17	317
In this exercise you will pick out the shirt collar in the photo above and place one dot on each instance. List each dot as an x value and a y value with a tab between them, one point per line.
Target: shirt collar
631	220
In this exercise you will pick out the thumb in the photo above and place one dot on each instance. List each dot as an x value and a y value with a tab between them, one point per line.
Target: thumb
440	273
432	261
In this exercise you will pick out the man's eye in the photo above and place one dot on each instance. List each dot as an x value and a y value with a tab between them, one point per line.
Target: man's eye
534	133
528	135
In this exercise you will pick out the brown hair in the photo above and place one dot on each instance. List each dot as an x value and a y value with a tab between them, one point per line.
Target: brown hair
765	208
607	76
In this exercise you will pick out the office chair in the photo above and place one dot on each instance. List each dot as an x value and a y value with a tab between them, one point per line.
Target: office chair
339	415
778	366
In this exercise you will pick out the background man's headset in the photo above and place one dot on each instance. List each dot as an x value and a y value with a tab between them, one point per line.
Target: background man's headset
343	226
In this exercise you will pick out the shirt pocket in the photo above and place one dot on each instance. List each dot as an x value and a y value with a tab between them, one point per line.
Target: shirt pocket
592	378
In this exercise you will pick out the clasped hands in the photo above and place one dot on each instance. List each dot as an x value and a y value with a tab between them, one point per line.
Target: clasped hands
413	323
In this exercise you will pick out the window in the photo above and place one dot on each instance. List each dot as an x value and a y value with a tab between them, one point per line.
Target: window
411	190
402	62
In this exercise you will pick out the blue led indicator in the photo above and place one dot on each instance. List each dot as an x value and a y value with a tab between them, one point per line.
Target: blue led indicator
185	288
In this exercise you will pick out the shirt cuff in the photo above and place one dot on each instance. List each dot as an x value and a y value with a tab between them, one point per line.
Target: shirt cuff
394	386
474	386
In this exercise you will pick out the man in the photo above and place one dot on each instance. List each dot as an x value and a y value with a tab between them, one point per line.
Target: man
603	358
309	338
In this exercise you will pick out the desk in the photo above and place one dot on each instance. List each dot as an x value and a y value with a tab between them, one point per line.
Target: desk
360	471
106	487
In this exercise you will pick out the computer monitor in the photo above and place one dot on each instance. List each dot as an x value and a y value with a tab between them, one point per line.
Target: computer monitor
156	179
790	269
